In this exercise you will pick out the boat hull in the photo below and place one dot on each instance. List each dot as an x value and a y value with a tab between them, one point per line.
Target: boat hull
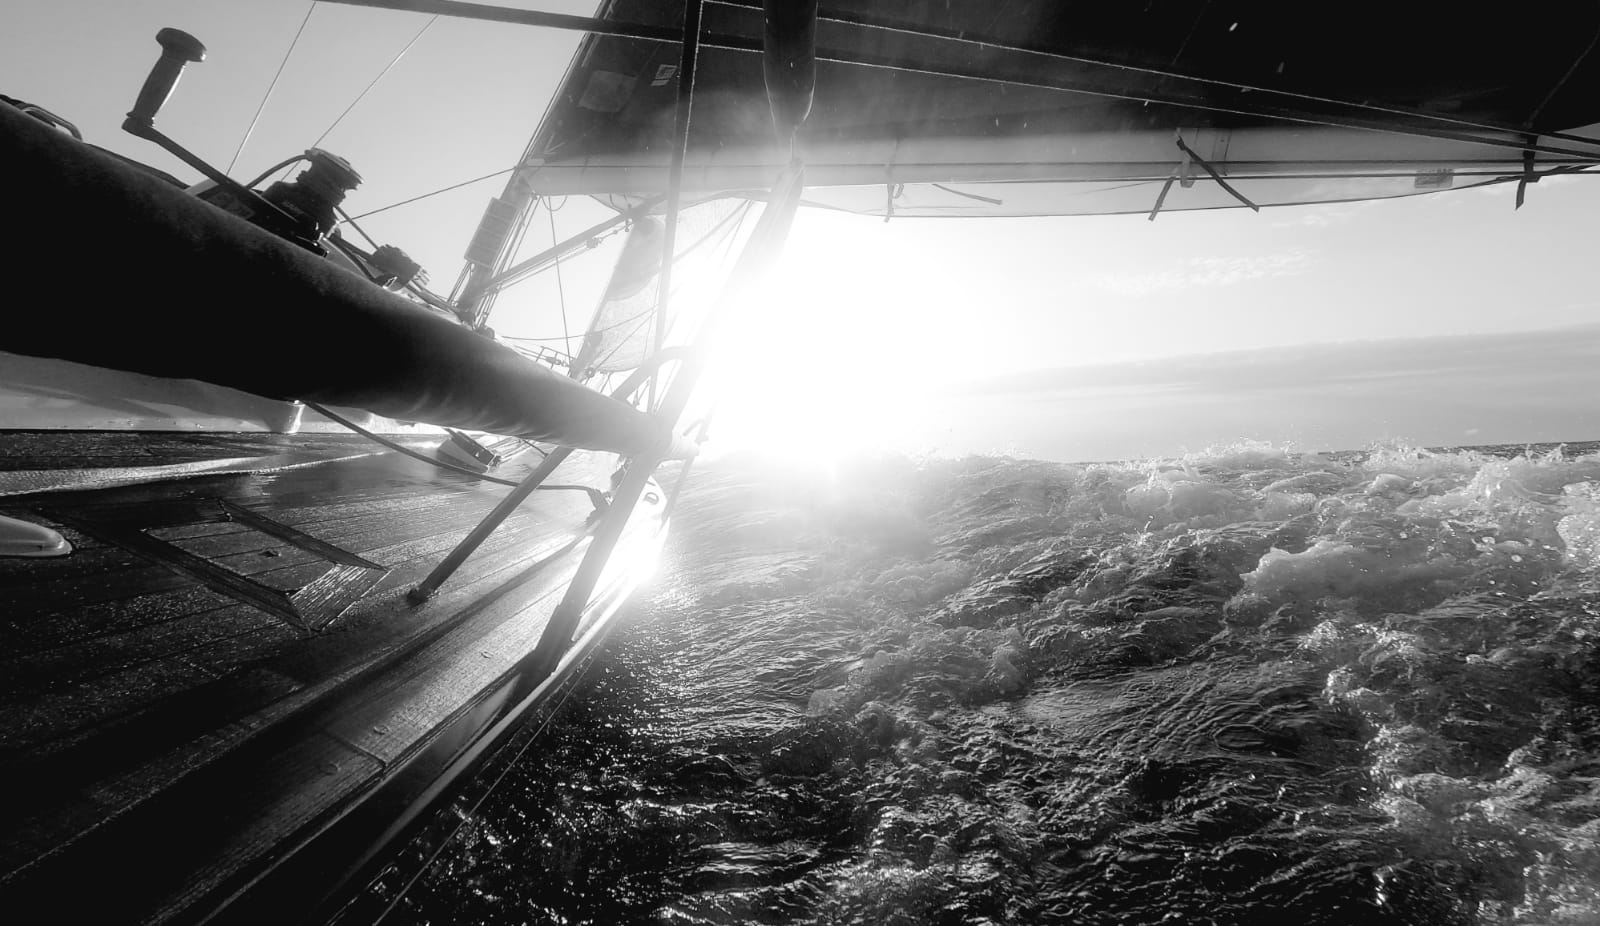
228	665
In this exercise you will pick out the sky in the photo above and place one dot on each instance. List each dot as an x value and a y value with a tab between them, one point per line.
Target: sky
1434	320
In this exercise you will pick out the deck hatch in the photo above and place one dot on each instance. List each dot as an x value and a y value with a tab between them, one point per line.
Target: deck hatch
175	534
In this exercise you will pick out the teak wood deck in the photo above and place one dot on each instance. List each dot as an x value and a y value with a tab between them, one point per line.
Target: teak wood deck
228	658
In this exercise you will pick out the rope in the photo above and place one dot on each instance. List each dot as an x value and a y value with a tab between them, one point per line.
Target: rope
1214	175
394	61
433	857
271	87
346	220
272	170
595	495
453	186
982	199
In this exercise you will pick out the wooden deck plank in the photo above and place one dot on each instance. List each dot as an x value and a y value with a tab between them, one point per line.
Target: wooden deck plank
29	722
288	694
194	675
277	803
331	512
74	789
65	712
49	449
89	557
36	633
204	840
77	620
63	666
386	719
393	714
104	572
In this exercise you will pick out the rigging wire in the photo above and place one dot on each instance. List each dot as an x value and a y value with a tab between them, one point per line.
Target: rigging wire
1193	28
866	21
1533	116
483	304
268	95
453	186
415	288
352	223
739	213
381	75
1285	116
561	289
683	109
401	448
595	495
499	778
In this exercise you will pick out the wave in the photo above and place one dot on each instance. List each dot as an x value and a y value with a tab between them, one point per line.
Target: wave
1245	685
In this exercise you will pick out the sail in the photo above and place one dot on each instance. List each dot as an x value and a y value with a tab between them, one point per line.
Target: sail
623	330
619	335
1036	107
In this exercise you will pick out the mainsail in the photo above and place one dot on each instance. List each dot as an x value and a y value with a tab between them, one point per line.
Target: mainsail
1035	107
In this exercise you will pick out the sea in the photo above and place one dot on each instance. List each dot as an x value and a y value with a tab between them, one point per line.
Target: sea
1245	686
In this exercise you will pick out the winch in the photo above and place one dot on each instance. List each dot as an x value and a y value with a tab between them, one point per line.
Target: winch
319	189
304	210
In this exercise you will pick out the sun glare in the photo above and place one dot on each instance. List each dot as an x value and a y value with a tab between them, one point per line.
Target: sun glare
821	364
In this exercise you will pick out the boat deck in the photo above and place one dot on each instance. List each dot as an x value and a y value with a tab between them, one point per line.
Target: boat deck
227	657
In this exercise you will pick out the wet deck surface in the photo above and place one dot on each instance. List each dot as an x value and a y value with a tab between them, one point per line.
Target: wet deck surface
196	613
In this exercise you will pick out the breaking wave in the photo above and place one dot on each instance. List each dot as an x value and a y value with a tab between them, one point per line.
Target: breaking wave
1246	686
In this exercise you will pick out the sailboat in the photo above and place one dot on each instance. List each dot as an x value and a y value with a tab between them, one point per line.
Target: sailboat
268	649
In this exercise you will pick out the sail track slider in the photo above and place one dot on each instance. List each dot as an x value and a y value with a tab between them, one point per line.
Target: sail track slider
1189	156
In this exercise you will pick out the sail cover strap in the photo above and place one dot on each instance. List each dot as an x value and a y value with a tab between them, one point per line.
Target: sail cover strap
120	270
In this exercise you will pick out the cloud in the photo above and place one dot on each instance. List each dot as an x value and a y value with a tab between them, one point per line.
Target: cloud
1486	388
1206	271
1550	354
1323	216
1480	389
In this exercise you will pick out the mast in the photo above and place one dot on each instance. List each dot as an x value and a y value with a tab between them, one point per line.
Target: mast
493	246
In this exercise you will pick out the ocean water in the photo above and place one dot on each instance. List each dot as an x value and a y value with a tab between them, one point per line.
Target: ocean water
1247	686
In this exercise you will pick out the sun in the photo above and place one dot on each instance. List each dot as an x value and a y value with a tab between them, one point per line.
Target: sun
817	363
